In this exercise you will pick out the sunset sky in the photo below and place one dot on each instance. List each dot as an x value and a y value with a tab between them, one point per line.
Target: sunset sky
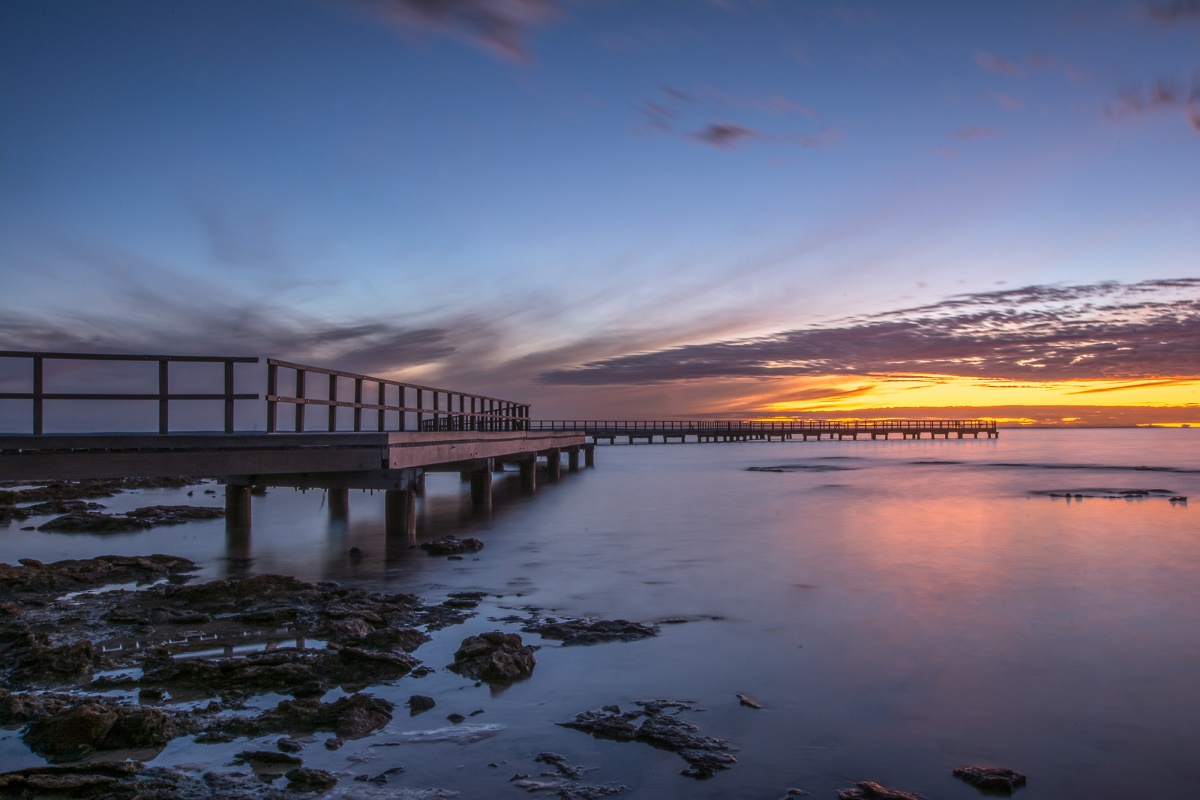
623	209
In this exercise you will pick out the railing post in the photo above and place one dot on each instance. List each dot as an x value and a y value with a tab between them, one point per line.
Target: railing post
400	403
420	408
358	384
229	397
38	391
436	418
300	401
272	387
164	423
332	401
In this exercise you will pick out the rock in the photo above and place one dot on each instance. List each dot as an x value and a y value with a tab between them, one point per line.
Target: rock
868	790
73	779
450	546
290	745
356	554
456	718
304	779
990	779
349	717
419	702
590	631
174	515
68	734
267	757
334	742
74	575
494	657
748	701
705	755
93	522
560	764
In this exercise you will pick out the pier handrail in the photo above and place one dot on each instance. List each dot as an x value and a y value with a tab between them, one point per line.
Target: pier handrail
163	396
753	426
474	413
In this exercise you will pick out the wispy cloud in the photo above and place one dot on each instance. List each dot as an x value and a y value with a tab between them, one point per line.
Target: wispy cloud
1162	95
976	132
500	26
704	115
1096	331
994	63
1172	12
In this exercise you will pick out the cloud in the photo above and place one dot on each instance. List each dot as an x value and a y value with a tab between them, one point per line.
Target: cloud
724	134
500	26
1111	331
1172	12
993	63
1162	95
156	323
971	132
689	114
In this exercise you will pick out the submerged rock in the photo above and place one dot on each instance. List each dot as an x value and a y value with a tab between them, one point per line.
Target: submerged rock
991	779
705	755
81	520
175	515
450	546
869	790
590	631
69	734
305	779
75	575
494	657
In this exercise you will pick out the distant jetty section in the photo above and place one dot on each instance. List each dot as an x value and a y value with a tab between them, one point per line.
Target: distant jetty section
375	433
741	431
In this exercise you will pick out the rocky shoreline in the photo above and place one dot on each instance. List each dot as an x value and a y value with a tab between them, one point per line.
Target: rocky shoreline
106	662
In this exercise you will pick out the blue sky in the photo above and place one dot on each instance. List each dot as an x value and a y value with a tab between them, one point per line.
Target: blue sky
499	196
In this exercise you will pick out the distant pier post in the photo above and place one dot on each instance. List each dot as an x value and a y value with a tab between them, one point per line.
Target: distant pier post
573	459
589	455
553	464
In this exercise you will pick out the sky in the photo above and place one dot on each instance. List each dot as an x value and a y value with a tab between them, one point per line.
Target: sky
745	209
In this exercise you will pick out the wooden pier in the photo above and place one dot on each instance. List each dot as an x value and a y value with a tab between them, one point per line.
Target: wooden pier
745	431
375	434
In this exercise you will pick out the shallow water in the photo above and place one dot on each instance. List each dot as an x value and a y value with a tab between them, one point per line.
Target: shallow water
899	608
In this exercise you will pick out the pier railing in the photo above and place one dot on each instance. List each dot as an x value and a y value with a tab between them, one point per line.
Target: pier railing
433	409
742	426
389	405
164	396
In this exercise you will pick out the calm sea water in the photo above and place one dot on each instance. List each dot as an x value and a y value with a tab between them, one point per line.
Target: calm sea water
900	608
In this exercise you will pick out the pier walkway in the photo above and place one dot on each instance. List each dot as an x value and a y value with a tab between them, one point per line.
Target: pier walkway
740	431
374	434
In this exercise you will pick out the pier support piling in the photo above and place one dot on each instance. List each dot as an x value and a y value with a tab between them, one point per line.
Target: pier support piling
400	513
572	459
529	474
339	503
237	507
553	464
589	455
481	485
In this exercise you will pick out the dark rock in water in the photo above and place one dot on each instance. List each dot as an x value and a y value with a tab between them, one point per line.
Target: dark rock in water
590	631
869	790
61	507
289	744
494	657
75	575
93	522
450	546
305	779
71	733
334	742
399	639
1178	499
560	764
705	755
419	702
349	717
748	701
356	554
175	515
72	779
991	779
267	757
28	659
456	718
